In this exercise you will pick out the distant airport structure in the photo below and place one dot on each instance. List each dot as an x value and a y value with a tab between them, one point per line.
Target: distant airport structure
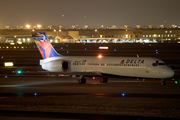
94	35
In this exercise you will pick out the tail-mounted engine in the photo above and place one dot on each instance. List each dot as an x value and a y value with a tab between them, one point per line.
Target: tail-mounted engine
65	65
56	65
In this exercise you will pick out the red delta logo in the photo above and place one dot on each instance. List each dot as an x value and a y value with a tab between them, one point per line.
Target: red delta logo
122	62
132	61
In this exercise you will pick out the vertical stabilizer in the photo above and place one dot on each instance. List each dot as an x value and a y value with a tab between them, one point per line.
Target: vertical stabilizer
45	47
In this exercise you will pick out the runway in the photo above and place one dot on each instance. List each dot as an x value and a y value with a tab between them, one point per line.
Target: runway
120	97
55	84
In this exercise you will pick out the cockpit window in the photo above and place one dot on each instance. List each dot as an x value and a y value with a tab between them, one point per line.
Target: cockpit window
162	64
157	63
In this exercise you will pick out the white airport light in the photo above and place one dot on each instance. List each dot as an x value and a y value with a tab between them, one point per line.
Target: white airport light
12	43
28	26
39	26
103	47
19	42
8	64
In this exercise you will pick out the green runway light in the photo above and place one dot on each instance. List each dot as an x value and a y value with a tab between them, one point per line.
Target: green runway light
19	72
176	82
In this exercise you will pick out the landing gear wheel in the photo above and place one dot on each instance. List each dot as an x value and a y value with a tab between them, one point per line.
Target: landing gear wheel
82	81
163	82
103	80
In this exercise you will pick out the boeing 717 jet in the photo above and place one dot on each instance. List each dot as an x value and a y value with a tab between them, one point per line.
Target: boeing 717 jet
139	67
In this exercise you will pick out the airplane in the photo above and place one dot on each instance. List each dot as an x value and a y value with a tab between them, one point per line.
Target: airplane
139	67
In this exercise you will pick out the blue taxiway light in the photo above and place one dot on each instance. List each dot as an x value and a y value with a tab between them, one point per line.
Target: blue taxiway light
61	47
35	94
114	49
67	51
85	48
156	52
66	45
123	94
5	76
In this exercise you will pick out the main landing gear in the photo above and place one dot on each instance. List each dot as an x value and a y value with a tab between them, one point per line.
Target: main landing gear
103	80
81	80
163	81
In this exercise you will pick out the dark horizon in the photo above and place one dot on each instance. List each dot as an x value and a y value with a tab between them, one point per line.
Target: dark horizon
93	13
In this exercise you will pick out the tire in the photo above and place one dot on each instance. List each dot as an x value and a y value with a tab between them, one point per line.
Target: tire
82	81
163	83
103	80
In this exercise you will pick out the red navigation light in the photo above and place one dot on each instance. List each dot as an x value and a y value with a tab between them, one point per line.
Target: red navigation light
99	56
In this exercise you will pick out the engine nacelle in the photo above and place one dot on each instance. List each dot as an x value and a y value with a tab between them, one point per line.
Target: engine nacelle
56	65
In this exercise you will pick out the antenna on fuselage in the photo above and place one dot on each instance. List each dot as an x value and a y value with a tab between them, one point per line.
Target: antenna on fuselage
137	55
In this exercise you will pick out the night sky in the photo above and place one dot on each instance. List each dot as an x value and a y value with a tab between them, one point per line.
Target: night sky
93	13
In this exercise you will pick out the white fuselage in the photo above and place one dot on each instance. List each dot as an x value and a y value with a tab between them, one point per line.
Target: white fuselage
144	67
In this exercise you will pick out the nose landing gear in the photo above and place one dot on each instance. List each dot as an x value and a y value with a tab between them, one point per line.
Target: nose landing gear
163	81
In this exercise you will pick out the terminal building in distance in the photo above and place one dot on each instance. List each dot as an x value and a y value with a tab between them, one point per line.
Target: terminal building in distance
94	35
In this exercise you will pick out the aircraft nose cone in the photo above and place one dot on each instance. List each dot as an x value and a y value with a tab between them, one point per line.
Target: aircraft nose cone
169	73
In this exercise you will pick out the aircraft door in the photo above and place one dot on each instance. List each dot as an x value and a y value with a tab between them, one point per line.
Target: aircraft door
147	69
